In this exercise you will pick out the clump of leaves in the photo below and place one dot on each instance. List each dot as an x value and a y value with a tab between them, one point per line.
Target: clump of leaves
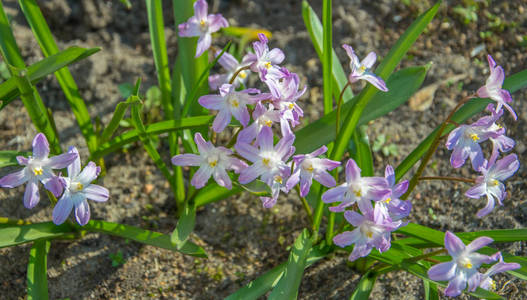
381	144
117	258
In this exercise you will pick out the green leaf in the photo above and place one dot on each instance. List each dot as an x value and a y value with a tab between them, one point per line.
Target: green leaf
37	271
125	89
365	286
49	47
214	192
287	287
258	188
14	235
258	287
43	68
143	236
185	225
8	158
513	83
148	144
151	129
8	46
327	55
431	292
322	131
314	27
117	117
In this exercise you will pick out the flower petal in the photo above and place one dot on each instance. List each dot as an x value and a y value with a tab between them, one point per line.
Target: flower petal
186	160
204	42
63	160
54	185
214	102
479	243
14	179
369	60
453	244
222	178
62	210
352	171
223	118
375	80
455	286
74	168
40	146
96	193
88	174
31	195
82	212
346	238
201	177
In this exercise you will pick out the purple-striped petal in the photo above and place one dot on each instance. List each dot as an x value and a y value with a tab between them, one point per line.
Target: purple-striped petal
222	178
335	194
479	243
31	195
40	146
204	42
319	151
54	185
82	213
251	173
352	171
489	207
276	56
242	114
506	167
455	286
201	177
96	193
346	238
63	160
216	22
62	210
453	244
389	174
22	160
399	189
369	60
476	191
325	179
214	102
354	218
14	179
221	121
186	160
88	174
74	168
293	180
375	80
247	151
268	202
265	139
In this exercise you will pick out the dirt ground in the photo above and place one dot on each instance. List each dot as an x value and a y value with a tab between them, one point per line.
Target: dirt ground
242	239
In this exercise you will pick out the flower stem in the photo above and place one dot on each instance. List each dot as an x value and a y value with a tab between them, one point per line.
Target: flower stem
433	148
339	105
238	72
305	204
467	180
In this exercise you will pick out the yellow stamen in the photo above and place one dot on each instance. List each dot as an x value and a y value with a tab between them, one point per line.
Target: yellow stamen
267	65
388	200
268	123
495	182
362	68
266	162
291	106
242	75
369	234
79	186
474	137
213	163
493	284
38	171
358	193
235	103
278	179
468	264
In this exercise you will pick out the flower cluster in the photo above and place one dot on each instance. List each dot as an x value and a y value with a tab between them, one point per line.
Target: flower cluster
465	140
72	190
373	228
463	269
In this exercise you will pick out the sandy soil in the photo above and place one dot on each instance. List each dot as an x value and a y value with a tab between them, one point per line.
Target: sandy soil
243	239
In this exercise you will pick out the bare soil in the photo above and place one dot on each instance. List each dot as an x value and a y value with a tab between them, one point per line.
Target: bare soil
243	239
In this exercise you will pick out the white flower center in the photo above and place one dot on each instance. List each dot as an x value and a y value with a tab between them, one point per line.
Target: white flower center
76	186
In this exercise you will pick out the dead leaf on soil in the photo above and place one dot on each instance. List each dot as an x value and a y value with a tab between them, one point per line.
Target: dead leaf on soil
422	100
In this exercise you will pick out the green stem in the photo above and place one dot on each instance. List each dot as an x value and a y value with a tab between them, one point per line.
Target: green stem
305	204
433	148
467	180
339	108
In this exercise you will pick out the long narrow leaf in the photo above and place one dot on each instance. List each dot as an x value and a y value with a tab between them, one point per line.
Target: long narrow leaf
388	64
327	55
37	271
117	116
431	292
314	27
49	47
287	287
256	288
43	68
151	129
185	225
513	83
365	286
14	235
143	236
